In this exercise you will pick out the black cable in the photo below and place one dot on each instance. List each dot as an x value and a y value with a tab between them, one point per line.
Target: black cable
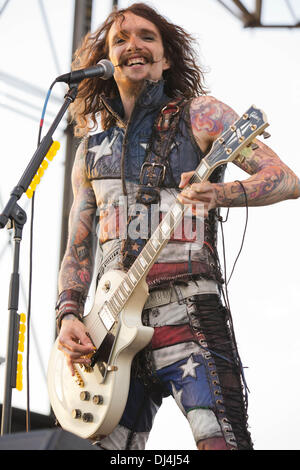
226	297
246	223
29	315
31	270
225	294
226	282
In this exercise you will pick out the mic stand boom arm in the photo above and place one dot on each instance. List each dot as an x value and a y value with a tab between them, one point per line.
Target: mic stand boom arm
16	216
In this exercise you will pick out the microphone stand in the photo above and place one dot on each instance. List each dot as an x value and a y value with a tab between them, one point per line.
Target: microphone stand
15	217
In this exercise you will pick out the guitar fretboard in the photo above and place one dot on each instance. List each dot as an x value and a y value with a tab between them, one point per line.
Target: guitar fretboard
224	149
145	260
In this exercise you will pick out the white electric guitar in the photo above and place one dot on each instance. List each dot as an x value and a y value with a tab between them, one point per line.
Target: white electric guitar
92	402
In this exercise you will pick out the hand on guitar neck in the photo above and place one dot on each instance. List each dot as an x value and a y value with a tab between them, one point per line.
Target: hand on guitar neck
203	194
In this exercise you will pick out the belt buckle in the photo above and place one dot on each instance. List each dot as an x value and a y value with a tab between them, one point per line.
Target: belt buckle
154	164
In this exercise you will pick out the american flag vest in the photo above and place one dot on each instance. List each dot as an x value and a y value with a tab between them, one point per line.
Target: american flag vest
135	169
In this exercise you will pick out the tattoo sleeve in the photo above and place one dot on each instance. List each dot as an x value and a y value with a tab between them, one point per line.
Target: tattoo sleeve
271	180
78	262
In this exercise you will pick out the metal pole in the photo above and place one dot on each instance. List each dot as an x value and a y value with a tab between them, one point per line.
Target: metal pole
12	337
16	217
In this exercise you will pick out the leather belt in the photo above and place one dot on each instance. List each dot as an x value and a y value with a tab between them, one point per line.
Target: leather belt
178	292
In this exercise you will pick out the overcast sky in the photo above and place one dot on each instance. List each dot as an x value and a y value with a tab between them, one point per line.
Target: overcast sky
244	67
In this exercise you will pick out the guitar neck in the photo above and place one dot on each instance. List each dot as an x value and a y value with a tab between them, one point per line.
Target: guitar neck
224	149
146	258
149	254
156	242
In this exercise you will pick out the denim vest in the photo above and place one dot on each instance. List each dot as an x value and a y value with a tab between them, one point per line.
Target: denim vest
113	163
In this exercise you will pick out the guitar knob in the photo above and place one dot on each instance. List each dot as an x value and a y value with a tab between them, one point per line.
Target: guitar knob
76	414
87	417
85	396
98	399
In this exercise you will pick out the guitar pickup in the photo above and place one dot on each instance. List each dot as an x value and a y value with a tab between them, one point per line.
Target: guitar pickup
107	318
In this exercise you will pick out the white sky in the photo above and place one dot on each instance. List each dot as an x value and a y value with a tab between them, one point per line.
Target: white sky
245	67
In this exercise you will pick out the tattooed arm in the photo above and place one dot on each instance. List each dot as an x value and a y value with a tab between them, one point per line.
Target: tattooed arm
77	266
271	180
78	261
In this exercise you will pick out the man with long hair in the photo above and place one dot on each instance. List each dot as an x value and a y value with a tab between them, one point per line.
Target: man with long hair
157	124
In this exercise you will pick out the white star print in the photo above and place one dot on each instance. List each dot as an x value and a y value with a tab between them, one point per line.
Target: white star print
104	149
189	368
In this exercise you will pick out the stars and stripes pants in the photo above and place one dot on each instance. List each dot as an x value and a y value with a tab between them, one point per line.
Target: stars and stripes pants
193	357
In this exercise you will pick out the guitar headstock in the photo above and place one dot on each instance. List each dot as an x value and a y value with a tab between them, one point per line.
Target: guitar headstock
239	135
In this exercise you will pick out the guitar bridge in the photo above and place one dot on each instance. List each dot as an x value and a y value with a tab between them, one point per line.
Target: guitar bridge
78	379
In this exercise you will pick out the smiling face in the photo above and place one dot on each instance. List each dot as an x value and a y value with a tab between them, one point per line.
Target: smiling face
136	50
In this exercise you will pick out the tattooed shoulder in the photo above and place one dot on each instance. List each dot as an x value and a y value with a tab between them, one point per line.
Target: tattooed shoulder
209	119
78	261
79	171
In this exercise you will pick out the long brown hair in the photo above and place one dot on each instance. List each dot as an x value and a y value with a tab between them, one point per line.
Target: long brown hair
185	79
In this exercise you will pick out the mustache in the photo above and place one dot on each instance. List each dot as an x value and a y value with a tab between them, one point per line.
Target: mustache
149	58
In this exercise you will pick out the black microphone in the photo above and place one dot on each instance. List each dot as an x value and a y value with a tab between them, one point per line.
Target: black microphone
104	69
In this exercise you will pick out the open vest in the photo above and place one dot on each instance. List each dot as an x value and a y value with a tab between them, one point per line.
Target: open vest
114	160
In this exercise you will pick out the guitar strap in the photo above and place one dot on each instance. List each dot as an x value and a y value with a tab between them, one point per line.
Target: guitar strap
152	176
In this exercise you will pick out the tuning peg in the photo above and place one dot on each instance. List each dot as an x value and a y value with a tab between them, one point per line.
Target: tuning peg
266	135
254	146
